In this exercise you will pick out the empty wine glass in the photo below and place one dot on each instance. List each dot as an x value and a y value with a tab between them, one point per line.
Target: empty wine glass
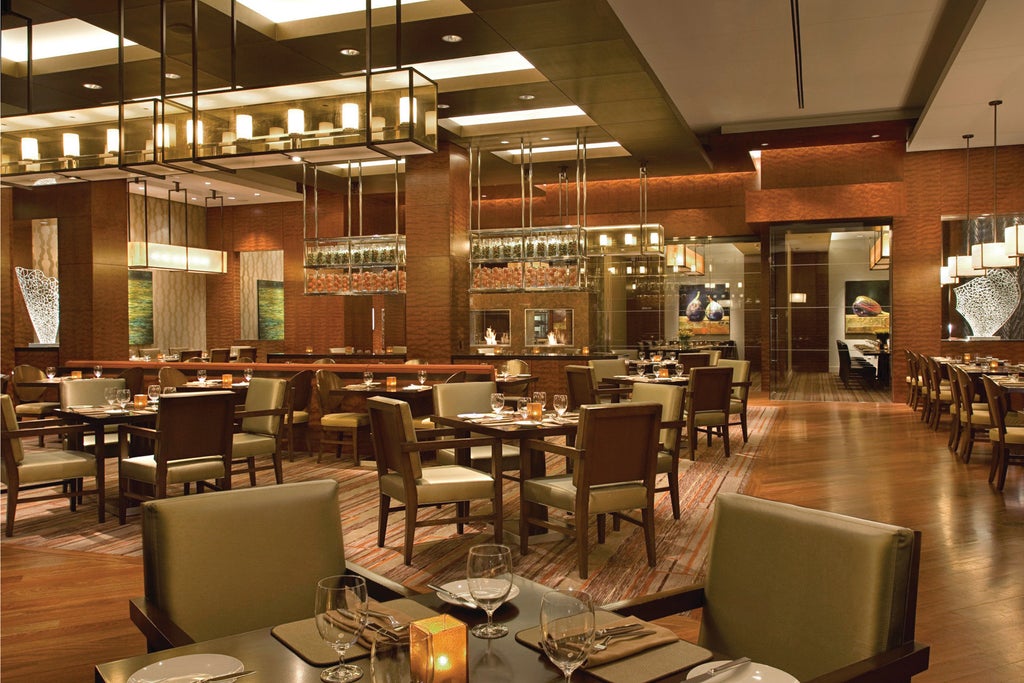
110	394
640	368
497	402
680	370
51	372
124	397
153	392
97	371
560	403
368	377
421	375
540	397
247	374
340	612
489	575
523	406
392	659
567	628
201	376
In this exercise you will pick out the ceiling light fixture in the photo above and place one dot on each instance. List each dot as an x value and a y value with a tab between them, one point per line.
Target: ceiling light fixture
987	255
349	52
517	116
451	38
527	97
92	86
171	76
962	266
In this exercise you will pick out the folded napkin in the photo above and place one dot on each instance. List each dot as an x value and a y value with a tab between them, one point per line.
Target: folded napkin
620	648
374	622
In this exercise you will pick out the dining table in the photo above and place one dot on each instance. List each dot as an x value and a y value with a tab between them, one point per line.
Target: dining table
500	659
420	397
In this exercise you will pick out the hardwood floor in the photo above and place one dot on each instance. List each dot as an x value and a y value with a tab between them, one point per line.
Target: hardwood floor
64	611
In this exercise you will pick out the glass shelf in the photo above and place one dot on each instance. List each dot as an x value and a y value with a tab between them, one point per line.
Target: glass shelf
519	259
355	265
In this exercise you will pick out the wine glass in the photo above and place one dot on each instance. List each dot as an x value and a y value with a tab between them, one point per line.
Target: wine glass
247	374
561	403
340	612
497	402
201	376
489	574
640	368
680	370
168	390
97	371
51	372
110	394
153	392
540	397
421	375
391	659
567	628
124	397
368	377
523	406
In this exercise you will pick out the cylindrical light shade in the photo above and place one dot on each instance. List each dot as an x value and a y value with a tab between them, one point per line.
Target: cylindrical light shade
946	277
962	266
113	140
296	122
403	110
243	126
1013	238
72	145
30	149
629	239
431	122
165	135
990	255
188	132
350	116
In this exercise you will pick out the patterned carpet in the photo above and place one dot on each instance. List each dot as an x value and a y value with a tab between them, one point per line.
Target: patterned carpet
617	568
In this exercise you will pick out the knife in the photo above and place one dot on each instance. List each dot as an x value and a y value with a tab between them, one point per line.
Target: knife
222	677
714	671
454	596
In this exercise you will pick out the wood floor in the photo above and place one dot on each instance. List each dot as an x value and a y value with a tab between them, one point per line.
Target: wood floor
64	611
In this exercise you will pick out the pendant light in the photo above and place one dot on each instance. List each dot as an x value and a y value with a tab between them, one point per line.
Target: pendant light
992	254
962	266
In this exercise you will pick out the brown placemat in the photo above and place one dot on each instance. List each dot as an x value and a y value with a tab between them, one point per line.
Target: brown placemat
302	638
648	665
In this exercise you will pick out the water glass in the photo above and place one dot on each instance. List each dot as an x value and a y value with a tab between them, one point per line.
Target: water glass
247	374
340	614
153	392
201	376
368	377
97	371
51	372
489	575
523	406
124	397
391	660
421	375
680	370
540	397
560	403
567	628
110	395
497	402
640	368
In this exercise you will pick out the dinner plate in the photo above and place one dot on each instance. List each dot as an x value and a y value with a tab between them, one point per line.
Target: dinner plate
473	416
116	411
748	672
461	588
186	668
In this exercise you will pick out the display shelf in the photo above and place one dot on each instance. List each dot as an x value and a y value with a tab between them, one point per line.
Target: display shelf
372	264
527	259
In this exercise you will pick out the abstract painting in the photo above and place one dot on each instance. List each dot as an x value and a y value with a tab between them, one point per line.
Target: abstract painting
270	301
140	307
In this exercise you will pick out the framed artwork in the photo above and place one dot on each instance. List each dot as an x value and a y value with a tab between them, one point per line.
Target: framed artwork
270	305
868	306
704	310
140	307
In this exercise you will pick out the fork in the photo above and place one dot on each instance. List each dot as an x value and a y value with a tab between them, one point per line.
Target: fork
394	623
603	645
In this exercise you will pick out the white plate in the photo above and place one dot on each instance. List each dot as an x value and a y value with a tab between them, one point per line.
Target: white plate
461	588
473	416
185	668
116	411
748	672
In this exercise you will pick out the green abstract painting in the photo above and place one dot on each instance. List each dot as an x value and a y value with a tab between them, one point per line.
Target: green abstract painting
140	307
270	301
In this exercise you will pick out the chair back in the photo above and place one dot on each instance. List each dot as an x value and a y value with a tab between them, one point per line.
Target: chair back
327	381
804	590
935	378
264	394
133	379
194	425
606	368
619	443
301	386
27	373
171	377
189	354
516	387
670	397
740	373
391	426
455	377
220	355
714	355
150	352
517	367
845	363
579	386
88	392
324	361
243	354
998	403
228	562
709	391
10	424
694	360
463	397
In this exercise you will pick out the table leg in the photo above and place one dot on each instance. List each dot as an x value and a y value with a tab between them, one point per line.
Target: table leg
532	463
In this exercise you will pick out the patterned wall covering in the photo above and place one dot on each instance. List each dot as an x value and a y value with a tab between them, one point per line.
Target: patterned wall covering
179	299
44	246
253	266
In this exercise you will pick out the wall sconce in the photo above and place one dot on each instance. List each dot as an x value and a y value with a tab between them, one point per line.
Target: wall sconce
798	297
448	639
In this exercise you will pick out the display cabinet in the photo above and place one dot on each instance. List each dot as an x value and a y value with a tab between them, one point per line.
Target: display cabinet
527	259
371	264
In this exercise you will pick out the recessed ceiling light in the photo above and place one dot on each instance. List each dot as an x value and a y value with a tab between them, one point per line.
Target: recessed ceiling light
230	197
296	159
504	142
545	138
349	51
764	144
451	38
172	76
875	136
442	105
207	182
195	199
527	97
92	86
256	194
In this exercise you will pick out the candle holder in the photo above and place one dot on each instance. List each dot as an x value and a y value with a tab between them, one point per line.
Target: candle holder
535	411
448	643
967	358
76	374
140	401
993	365
227	379
391	382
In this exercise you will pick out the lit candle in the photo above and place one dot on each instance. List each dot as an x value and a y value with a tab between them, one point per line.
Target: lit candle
967	358
76	374
994	365
391	382
227	380
140	401
448	641
535	411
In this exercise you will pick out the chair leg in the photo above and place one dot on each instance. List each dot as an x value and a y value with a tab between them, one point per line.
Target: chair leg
743	425
122	501
524	541
601	522
692	433
725	438
581	543
382	519
251	464
12	504
278	468
410	531
647	515
997	454
355	447
673	493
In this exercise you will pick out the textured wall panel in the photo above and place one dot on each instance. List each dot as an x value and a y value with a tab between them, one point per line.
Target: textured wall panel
825	203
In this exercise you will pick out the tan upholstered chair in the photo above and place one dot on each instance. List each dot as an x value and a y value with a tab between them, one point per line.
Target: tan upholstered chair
517	367
602	371
266	405
708	396
300	387
59	471
471	397
190	443
401	476
670	398
581	389
283	539
1007	442
171	377
190	355
813	593
27	399
92	393
614	463
714	355
740	391
337	428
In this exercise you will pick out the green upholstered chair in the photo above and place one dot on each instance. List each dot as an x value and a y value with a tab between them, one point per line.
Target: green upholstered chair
740	391
602	371
91	392
266	405
670	397
820	595
190	443
397	445
708	397
471	397
232	561
28	404
61	471
337	428
300	387
614	461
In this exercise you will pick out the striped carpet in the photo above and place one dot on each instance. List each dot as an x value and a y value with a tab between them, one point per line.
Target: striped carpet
617	568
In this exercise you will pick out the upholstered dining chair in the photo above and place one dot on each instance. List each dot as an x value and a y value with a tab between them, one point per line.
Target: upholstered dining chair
27	399
337	427
92	393
471	397
971	416
266	407
283	539
582	391
300	386
819	595
190	443
242	354
671	399
133	379
694	360
220	355
938	386
1007	442
402	477
515	366
190	355
740	391
59	473
614	461
708	397
603	370
170	377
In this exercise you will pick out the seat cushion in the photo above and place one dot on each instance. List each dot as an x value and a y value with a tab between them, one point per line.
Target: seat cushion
442	484
978	418
1014	435
559	492
299	417
344	420
736	406
480	457
143	468
53	465
710	419
245	445
665	463
36	409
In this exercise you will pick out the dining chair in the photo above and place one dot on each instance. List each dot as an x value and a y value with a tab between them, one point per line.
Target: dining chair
1007	442
300	387
259	435
694	360
220	355
580	389
170	377
134	379
471	397
324	361
337	428
91	393
614	460
973	417
401	476
912	379
515	366
234	561
28	404
459	376
603	370
513	388
242	354
58	472
740	391
190	443
940	394
819	595
190	355
671	400
708	397
150	352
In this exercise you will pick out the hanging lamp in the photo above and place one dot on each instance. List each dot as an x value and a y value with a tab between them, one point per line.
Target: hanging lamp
987	255
962	266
